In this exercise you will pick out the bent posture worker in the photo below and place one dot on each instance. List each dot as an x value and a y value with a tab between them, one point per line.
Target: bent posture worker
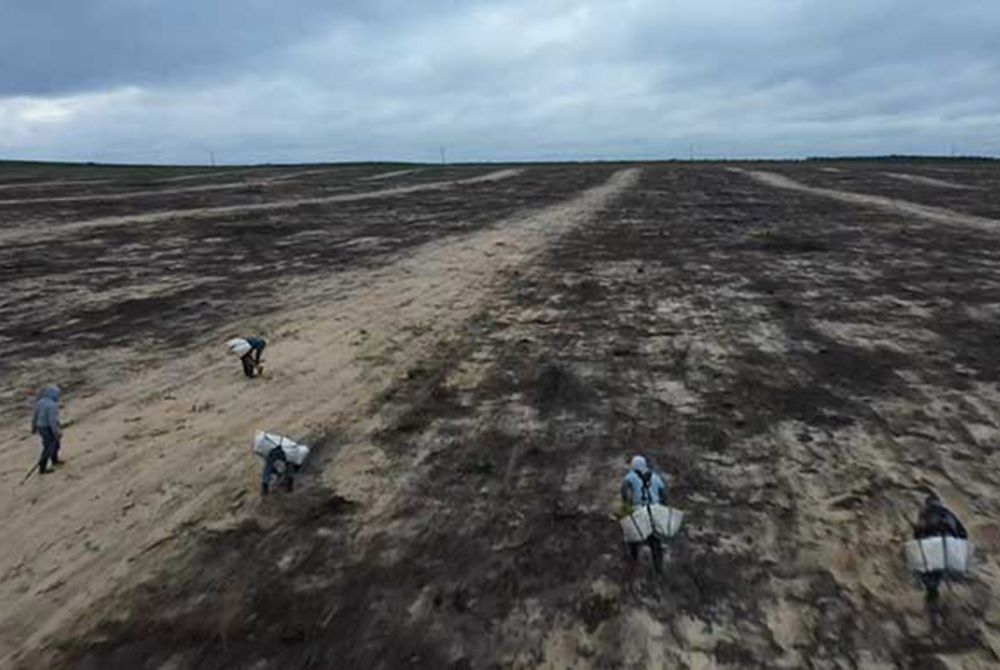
249	349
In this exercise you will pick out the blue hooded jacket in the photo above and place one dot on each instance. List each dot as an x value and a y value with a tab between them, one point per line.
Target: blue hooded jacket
46	413
635	493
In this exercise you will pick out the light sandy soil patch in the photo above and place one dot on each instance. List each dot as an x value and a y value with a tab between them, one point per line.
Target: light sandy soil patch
936	214
927	181
168	446
390	175
205	175
21	234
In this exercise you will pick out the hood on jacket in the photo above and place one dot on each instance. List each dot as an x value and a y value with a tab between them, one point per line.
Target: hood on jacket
639	464
50	393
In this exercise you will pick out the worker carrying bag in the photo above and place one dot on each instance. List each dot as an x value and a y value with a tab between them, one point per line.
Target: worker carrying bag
648	520
295	453
942	553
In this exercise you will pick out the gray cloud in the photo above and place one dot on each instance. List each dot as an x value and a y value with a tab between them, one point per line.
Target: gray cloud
264	80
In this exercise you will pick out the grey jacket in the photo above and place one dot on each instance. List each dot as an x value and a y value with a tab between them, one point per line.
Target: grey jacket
47	411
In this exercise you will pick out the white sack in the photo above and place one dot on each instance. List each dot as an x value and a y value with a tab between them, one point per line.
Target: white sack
950	554
238	346
647	520
295	453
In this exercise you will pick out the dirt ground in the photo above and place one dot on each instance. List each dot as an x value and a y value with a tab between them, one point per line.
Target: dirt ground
475	362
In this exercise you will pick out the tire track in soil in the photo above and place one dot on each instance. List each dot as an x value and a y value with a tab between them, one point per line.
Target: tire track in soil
927	212
186	423
64	228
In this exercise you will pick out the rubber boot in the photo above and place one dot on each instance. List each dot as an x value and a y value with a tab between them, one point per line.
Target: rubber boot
264	489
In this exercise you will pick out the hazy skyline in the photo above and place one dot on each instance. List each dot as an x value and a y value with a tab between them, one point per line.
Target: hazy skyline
263	80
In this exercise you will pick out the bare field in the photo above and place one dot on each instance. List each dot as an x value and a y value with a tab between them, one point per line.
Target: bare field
475	360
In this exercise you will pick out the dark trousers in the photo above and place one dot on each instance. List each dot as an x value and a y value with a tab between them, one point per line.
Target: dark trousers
932	582
50	448
655	547
272	468
251	360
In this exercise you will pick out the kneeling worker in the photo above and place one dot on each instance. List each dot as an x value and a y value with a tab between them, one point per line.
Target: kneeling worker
936	520
643	487
249	349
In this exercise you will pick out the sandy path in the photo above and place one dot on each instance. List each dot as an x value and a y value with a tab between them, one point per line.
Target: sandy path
169	446
222	173
935	214
390	175
928	181
31	234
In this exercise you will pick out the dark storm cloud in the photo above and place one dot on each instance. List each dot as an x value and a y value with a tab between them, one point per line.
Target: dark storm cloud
50	46
311	80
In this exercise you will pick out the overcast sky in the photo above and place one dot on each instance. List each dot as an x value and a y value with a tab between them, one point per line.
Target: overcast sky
319	80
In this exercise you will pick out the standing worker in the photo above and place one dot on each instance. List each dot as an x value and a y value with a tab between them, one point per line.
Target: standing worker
643	487
45	422
249	349
936	520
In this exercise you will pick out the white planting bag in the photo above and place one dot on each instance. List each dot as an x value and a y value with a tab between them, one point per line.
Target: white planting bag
238	346
295	453
660	520
949	554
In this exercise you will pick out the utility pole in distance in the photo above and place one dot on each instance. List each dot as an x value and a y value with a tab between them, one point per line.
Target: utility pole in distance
211	155
691	153
442	155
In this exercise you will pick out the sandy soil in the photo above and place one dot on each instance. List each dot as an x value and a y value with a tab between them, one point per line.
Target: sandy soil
936	214
390	175
927	181
980	198
250	178
158	450
18	234
802	365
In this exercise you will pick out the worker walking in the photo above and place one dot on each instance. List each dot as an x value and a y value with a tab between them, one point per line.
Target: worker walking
641	487
249	349
45	422
936	520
